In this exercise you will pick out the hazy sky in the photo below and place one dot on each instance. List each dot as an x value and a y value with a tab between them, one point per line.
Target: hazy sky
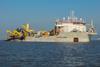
41	14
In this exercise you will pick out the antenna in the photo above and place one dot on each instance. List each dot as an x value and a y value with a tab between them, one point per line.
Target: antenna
72	15
92	23
64	18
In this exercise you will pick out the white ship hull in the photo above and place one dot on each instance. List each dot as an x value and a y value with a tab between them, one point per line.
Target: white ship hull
65	37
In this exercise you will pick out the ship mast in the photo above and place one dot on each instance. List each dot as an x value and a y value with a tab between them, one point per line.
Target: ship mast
72	15
92	24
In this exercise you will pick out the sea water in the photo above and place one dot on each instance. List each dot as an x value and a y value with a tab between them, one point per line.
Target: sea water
37	54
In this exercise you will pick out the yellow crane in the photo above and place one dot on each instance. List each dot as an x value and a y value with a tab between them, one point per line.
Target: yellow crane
20	33
14	33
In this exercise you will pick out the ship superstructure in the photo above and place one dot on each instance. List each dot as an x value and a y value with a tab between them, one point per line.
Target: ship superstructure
72	29
73	24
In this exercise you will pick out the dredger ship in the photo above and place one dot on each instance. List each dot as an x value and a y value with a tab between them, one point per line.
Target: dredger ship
70	29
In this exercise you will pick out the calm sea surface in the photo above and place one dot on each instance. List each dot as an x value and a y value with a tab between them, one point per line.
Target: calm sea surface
30	54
